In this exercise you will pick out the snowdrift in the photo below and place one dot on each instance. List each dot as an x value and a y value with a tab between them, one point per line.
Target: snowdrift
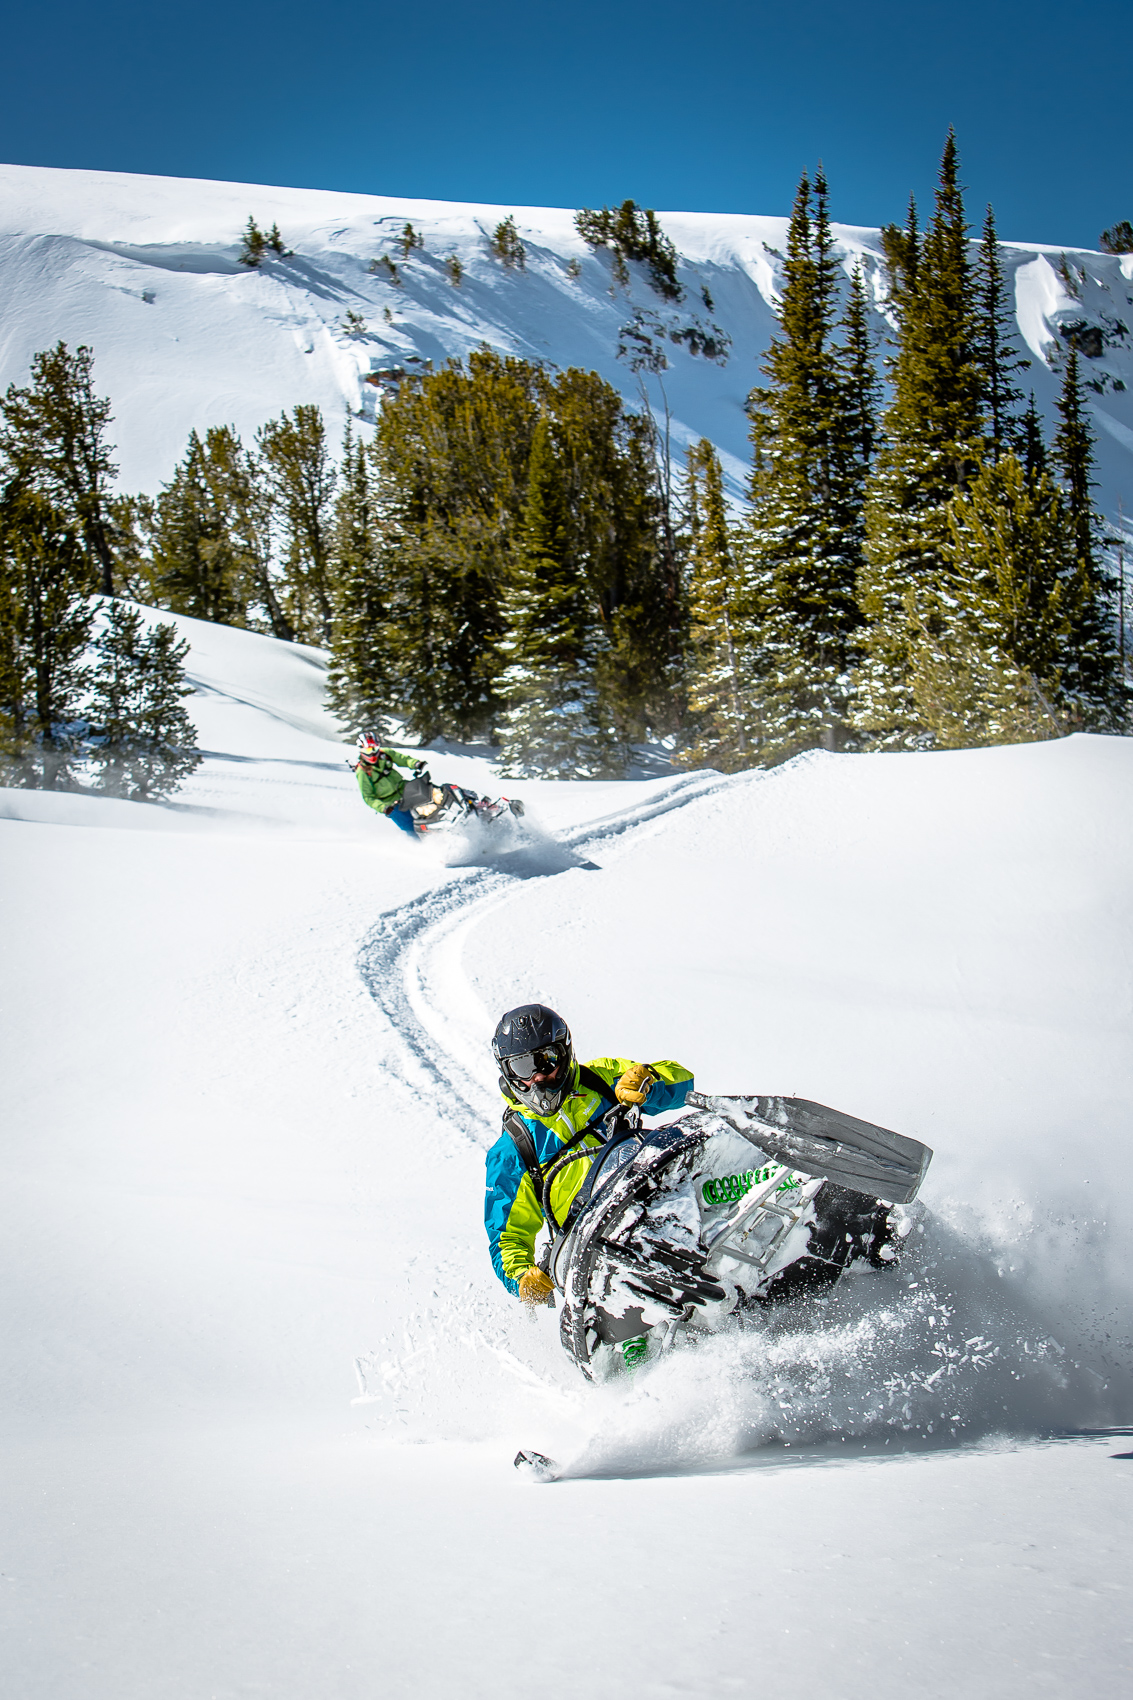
247	1093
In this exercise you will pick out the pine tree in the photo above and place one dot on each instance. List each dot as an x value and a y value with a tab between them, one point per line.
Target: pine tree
721	687
54	441
301	476
987	650
968	691
1074	457
1032	443
1012	550
616	466
507	244
408	240
241	508
46	615
932	448
812	431
633	234
862	395
450	472
1092	675
361	682
253	245
132	518
142	741
196	562
552	727
994	349
449	492
1118	239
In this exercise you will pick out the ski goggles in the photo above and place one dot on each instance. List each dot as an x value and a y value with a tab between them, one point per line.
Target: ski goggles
528	1064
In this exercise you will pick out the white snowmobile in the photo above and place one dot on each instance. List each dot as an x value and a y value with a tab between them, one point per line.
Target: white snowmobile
700	1225
439	808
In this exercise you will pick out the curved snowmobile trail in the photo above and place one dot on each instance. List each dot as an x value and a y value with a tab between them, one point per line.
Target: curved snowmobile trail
940	1351
402	957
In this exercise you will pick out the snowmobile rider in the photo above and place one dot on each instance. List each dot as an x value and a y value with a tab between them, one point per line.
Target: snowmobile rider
384	789
554	1102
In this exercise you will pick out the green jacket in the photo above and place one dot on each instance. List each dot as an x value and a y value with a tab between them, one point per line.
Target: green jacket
383	790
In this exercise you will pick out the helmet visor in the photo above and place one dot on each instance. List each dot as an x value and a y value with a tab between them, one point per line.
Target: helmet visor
524	1067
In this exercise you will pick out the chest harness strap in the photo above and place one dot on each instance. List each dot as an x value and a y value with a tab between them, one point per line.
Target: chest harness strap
542	1175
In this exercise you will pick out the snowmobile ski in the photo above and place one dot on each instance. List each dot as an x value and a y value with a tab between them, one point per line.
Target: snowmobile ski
826	1142
536	1467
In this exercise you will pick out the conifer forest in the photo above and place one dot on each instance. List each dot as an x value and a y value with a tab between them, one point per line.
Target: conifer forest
515	555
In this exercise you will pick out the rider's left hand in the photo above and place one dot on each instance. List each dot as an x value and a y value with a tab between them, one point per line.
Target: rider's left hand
634	1085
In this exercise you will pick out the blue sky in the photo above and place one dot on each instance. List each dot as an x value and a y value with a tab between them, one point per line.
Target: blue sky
716	108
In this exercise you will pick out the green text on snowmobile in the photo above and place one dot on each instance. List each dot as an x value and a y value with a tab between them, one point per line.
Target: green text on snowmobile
727	1189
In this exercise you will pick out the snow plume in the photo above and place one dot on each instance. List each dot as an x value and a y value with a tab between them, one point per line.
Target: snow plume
950	1348
941	1352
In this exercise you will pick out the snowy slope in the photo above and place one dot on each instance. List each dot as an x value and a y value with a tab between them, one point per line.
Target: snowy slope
144	269
246	1096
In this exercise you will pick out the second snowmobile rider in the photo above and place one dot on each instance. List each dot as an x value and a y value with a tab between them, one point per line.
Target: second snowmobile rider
560	1102
384	789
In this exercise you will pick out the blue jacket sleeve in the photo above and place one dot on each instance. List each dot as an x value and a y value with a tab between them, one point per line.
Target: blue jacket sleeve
503	1174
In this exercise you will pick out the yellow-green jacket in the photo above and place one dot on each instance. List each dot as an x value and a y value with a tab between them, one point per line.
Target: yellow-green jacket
513	1214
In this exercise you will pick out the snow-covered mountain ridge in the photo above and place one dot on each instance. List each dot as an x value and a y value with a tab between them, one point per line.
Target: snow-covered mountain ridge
145	270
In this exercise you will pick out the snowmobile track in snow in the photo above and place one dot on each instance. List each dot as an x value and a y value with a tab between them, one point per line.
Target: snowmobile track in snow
396	957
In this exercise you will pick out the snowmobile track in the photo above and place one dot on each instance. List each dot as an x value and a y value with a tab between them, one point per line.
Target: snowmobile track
394	958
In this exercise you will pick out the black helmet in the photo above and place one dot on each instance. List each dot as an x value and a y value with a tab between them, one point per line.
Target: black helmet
534	1040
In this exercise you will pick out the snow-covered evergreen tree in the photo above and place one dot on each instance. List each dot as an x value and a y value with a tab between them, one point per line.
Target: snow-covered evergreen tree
633	233
197	566
994	348
552	724
1092	679
722	695
299	471
987	646
932	448
361	684
46	615
812	430
53	439
241	507
142	742
507	244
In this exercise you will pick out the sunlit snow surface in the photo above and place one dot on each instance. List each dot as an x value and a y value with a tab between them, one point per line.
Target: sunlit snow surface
145	270
261	1388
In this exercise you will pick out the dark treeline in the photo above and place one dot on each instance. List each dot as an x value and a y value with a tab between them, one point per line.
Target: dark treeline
510	572
509	558
499	561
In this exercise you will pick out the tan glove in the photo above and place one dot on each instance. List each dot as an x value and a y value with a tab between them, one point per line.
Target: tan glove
633	1087
535	1288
